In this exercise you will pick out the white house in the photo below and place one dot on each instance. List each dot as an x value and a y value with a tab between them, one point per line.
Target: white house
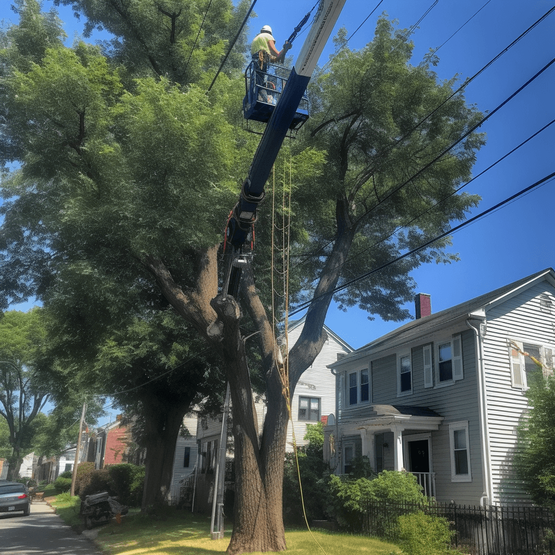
442	396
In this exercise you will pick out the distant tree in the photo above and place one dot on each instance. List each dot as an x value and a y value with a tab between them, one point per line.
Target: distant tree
535	457
22	395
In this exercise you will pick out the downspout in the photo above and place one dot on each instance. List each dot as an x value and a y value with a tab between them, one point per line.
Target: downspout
484	428
337	392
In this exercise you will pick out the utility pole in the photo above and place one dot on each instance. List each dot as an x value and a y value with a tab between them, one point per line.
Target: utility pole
76	462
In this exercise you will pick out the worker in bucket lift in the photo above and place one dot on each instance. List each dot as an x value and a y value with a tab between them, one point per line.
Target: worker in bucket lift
263	50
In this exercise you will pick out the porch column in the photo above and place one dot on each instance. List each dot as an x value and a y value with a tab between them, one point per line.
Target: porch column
368	447
398	448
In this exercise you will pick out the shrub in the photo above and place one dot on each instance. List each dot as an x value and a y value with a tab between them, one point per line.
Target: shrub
62	484
352	499
127	481
83	469
422	534
96	481
314	473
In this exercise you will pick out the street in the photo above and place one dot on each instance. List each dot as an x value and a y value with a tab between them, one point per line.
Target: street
41	532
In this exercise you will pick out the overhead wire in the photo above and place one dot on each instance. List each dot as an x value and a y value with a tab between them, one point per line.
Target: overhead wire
463	25
232	45
451	231
391	192
460	89
450	195
198	34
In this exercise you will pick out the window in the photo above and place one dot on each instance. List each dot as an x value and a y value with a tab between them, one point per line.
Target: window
187	457
348	456
460	452
359	387
309	409
364	386
404	374
523	357
449	365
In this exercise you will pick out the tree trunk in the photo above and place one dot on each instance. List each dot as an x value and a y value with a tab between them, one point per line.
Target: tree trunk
15	464
162	429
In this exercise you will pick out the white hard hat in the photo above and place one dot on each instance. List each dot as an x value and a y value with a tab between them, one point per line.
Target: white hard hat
266	29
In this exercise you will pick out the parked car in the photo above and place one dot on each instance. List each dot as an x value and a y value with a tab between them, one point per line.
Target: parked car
14	497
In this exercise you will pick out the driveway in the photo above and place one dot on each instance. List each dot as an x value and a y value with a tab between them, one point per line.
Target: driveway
42	532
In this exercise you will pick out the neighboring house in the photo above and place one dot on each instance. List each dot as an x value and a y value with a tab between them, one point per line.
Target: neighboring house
442	396
49	468
185	461
313	401
28	465
113	444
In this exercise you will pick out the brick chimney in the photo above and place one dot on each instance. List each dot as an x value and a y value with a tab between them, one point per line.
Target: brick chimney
423	305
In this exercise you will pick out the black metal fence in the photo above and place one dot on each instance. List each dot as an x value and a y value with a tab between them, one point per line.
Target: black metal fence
486	530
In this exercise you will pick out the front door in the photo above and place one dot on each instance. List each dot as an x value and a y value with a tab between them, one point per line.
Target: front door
418	456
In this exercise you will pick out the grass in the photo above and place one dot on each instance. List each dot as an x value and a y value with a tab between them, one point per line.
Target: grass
183	533
68	509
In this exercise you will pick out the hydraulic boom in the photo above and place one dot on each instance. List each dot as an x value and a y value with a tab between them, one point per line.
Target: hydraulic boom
252	192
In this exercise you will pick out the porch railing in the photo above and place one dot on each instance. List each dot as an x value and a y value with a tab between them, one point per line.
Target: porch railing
428	482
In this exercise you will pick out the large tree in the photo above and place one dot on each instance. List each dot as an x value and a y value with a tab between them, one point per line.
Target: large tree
134	167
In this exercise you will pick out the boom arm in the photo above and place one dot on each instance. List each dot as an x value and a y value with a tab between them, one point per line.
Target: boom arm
252	192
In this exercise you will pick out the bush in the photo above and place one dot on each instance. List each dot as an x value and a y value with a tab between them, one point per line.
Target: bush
127	480
66	474
352	499
96	481
83	469
62	484
314	473
422	534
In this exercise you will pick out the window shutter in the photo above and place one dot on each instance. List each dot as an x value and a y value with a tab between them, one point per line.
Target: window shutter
457	358
428	371
516	364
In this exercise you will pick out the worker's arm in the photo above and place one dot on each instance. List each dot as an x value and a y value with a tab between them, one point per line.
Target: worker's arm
273	50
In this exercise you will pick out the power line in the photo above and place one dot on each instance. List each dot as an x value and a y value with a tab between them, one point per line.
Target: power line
451	231
173	369
471	130
198	34
383	154
430	208
232	45
463	25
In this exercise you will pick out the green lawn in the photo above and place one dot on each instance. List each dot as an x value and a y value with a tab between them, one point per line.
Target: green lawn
183	533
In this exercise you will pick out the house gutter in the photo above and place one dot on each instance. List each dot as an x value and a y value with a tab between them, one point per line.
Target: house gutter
475	326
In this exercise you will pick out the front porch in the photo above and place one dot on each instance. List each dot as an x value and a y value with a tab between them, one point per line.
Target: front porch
391	437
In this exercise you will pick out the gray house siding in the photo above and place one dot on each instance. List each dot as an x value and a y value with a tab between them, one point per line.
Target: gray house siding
456	402
519	318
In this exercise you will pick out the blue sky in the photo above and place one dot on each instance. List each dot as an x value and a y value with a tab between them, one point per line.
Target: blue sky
517	240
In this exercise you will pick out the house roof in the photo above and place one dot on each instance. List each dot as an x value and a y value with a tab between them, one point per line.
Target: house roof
475	307
301	321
